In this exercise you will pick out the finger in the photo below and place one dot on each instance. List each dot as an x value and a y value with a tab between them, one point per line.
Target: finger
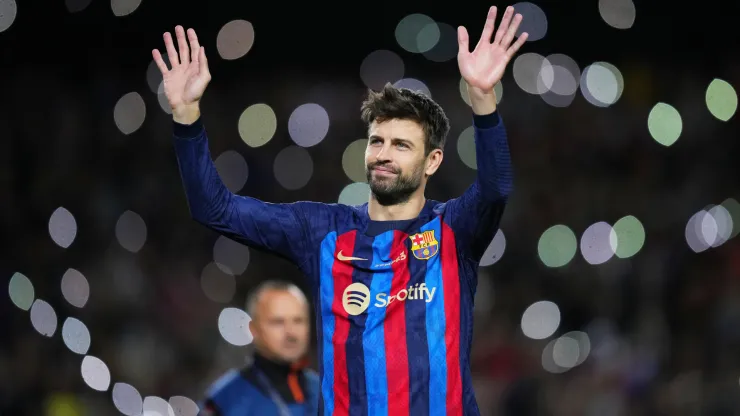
171	52
509	36
194	45
463	40
203	63
485	37
182	43
504	25
159	61
518	44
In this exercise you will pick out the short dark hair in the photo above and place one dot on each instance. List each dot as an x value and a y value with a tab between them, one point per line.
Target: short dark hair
256	293
401	103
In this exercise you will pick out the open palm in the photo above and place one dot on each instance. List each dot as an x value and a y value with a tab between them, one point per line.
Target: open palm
485	66
186	82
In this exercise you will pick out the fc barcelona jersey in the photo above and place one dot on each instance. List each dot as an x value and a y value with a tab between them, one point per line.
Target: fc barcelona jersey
394	299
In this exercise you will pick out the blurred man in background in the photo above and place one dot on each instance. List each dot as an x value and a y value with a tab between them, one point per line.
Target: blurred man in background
277	382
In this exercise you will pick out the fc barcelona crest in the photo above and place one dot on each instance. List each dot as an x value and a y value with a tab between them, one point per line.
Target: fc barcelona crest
423	245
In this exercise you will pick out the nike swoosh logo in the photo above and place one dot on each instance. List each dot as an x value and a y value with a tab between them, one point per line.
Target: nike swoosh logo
342	257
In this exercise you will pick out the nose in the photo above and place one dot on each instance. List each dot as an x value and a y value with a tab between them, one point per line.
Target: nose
383	154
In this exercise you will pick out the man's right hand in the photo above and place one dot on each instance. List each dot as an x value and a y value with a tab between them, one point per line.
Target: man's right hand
185	83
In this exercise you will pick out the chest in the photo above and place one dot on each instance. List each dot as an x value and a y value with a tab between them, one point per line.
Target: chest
367	280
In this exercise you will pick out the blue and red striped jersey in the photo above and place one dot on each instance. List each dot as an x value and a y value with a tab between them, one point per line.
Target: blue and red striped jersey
394	299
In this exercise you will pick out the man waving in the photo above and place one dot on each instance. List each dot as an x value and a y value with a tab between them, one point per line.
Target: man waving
394	279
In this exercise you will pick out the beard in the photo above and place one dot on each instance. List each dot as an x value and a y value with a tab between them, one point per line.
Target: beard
394	190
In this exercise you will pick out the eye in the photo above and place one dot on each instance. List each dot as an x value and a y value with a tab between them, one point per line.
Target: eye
375	141
402	145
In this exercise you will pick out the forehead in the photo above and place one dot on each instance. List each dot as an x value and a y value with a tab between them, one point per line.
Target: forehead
397	129
281	302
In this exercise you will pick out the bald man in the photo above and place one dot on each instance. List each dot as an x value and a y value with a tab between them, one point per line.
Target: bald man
276	382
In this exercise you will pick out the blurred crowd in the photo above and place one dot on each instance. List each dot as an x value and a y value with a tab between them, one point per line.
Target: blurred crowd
664	325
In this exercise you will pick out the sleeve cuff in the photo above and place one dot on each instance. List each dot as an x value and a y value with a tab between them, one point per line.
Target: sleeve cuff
486	121
188	131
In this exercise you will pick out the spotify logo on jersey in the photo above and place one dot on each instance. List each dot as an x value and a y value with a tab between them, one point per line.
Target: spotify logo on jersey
356	298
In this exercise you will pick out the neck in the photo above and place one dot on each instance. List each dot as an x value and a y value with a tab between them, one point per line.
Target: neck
407	210
273	366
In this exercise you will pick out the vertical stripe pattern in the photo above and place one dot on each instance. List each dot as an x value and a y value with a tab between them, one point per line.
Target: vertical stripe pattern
436	325
396	347
451	283
398	351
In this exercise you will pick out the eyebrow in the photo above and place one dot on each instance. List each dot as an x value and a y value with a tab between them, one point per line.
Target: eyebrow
395	139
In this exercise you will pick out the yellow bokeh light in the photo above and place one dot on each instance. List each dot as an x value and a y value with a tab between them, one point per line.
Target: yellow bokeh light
721	99
353	160
257	125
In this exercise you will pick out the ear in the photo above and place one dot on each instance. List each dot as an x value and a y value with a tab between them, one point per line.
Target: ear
433	160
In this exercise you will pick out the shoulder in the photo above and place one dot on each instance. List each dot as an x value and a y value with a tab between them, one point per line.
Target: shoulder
311	376
229	384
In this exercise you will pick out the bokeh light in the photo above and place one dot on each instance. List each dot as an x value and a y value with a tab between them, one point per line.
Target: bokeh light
466	147
43	318
602	84
155	406
598	243
446	47
540	320
95	373
257	125
75	288
534	20
619	14
162	100
76	336
495	250
557	246
21	291
62	227
630	236
413	85
411	27
721	99
356	193
127	399
154	75
381	67
233	170
8	12
566	352
76	6
131	231
710	228
308	125
233	324
565	79
664	124
122	8
532	73
733	208
293	167
129	113
230	256
218	285
353	160
235	39
183	406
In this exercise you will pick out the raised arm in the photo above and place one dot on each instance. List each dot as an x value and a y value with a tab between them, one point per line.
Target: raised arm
280	228
475	215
